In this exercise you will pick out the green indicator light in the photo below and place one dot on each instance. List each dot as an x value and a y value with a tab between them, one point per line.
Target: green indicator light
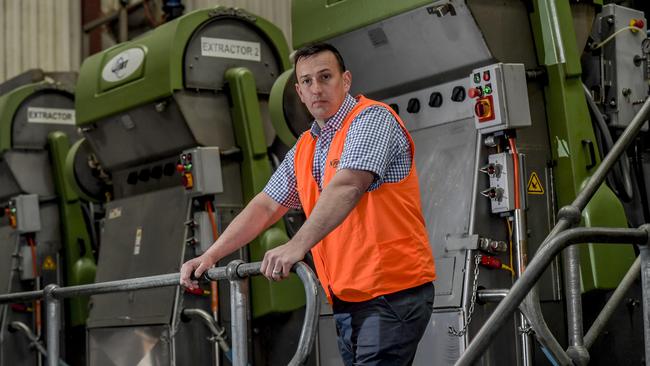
188	167
477	78
13	210
487	90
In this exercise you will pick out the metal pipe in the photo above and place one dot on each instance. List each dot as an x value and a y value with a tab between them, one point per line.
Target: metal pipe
22	327
573	294
123	22
212	325
533	312
524	347
534	271
239	314
613	302
645	286
53	325
491	295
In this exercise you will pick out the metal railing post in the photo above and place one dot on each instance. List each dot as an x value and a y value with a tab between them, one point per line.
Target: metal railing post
238	313
645	287
576	350
534	271
52	305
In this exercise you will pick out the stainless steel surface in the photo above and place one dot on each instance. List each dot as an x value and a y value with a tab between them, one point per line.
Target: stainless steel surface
146	236
445	162
427	116
140	345
437	346
534	270
614	301
415	41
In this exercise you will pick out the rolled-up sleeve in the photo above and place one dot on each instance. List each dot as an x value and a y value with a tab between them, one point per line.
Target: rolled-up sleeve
282	185
376	143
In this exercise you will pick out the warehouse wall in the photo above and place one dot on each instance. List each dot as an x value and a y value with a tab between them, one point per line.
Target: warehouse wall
47	34
39	33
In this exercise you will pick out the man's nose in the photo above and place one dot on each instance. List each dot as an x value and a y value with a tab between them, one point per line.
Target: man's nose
316	87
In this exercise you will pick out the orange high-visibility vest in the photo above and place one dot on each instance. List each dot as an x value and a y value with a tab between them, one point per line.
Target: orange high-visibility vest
382	246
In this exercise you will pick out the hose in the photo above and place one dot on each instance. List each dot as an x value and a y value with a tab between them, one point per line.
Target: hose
622	183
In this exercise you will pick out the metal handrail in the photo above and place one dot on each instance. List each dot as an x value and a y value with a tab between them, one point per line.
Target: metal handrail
534	271
236	272
569	216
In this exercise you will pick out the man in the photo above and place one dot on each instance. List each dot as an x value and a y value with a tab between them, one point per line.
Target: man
353	174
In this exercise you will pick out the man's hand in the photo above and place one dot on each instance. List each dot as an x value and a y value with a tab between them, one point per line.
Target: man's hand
277	262
197	266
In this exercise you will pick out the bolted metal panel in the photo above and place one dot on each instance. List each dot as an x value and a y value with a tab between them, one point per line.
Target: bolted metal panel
142	236
205	62
412	51
40	114
146	133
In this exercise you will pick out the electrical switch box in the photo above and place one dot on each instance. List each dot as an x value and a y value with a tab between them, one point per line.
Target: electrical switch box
25	209
200	168
501	190
500	97
203	232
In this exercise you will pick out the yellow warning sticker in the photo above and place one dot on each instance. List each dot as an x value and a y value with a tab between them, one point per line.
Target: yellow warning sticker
534	185
49	264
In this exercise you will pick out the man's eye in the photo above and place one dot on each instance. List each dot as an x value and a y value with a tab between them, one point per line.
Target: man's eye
326	76
306	81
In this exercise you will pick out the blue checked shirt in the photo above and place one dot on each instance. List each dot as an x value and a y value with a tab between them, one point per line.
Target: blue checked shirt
375	143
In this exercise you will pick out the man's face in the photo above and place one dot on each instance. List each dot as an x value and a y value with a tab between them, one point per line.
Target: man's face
321	84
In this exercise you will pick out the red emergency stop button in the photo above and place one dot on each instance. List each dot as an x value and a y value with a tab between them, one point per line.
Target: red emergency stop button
639	23
474	92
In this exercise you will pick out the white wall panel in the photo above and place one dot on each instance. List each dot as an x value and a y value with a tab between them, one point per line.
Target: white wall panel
42	34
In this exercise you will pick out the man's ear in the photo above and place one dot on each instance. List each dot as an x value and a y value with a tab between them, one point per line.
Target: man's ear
298	91
347	80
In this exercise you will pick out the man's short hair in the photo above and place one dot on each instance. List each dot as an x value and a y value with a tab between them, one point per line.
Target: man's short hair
315	48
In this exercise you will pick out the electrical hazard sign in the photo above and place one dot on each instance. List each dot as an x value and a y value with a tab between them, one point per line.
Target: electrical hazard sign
534	185
49	264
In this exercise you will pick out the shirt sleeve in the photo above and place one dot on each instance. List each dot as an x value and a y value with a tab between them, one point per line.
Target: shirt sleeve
376	143
282	186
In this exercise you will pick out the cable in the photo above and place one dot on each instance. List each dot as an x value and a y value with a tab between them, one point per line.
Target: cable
620	175
214	296
629	27
37	303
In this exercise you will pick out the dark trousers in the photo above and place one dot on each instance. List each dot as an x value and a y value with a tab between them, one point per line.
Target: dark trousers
384	330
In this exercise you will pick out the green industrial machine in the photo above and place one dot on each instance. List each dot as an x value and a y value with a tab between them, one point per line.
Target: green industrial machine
450	62
45	237
177	119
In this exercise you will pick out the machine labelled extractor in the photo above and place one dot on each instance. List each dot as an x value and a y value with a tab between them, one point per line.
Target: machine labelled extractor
45	229
178	121
491	93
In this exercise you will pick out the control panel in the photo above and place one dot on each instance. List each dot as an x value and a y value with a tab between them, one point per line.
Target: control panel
200	169
23	213
500	97
501	190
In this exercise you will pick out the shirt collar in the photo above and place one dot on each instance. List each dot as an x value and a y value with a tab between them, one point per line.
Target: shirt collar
336	120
